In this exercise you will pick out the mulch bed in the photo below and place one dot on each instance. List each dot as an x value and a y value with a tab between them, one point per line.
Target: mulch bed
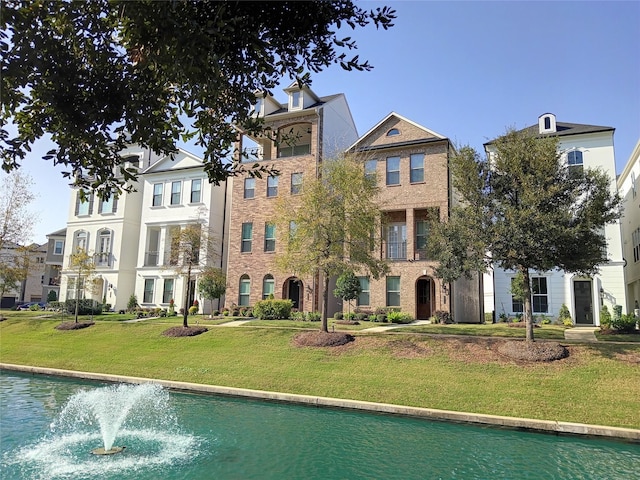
533	351
322	339
184	331
74	325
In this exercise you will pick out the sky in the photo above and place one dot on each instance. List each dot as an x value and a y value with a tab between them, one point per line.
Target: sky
468	71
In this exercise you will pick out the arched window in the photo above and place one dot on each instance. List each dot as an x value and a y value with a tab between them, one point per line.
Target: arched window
103	248
80	241
268	286
392	132
245	291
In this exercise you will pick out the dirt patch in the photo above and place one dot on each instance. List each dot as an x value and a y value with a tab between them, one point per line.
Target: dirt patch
533	351
74	325
408	349
629	357
322	339
184	331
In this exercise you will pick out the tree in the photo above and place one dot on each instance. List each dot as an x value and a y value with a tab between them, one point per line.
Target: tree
81	263
99	75
16	220
212	283
332	228
347	287
523	209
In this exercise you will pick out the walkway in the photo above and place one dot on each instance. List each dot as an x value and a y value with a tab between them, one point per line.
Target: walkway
581	334
390	326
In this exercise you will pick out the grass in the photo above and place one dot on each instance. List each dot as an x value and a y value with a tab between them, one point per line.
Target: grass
597	384
547	332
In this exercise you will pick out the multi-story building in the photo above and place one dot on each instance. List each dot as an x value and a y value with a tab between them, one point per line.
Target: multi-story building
411	164
581	146
176	193
30	261
53	263
306	130
630	224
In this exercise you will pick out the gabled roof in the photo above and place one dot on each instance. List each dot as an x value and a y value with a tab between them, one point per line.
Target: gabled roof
430	137
321	101
179	161
564	129
58	233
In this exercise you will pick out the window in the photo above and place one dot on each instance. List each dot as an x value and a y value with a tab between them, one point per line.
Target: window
635	237
296	183
247	237
370	169
268	286
58	247
392	132
539	293
633	183
245	290
147	296
167	290
417	168
393	171
103	254
295	99
397	241
80	241
269	237
547	123
272	186
107	205
84	207
257	107
75	288
363	298
517	306
293	228
157	195
176	188
393	291
196	190
249	187
574	158
422	236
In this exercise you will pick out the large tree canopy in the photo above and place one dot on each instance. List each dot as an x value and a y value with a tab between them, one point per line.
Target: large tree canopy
97	75
524	209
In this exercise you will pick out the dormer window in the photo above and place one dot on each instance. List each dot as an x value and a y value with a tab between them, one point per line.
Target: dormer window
547	123
257	107
392	132
296	100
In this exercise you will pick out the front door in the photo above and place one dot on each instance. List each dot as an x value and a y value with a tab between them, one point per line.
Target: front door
583	301
293	289
423	298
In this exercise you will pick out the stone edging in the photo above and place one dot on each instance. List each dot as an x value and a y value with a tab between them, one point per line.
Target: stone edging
547	426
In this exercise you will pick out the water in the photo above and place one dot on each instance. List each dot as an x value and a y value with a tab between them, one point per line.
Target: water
184	436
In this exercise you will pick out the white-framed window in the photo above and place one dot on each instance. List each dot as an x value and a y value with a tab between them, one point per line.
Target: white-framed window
108	205
635	238
58	247
103	252
268	286
257	107
416	173
296	183
363	297
296	100
157	195
167	290
84	207
539	297
269	237
392	132
176	192
393	291
196	190
393	171
397	241
272	186
370	167
244	295
247	237
575	161
80	241
147	296
249	187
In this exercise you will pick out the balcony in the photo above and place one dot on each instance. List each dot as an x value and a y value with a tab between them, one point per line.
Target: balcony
102	259
396	250
151	259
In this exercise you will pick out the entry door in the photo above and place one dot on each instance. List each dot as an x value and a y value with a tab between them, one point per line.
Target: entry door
583	301
423	298
294	292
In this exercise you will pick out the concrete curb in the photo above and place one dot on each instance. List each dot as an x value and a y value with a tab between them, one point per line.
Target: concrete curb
546	426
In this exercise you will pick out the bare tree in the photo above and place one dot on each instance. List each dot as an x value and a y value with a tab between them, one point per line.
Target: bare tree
16	218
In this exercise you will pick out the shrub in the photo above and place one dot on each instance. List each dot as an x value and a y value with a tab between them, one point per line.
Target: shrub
624	323
132	303
360	316
193	309
52	296
488	317
314	316
605	317
443	316
503	317
163	312
106	307
381	317
55	306
35	307
399	317
85	307
215	313
373	318
272	309
380	311
338	315
298	316
349	316
567	322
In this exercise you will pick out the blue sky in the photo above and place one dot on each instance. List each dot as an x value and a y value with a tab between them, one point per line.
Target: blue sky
469	70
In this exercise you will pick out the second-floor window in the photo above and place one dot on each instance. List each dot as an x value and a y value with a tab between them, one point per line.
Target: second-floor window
417	168
249	187
58	247
370	169
176	190
84	207
107	205
247	237
196	190
393	171
80	241
635	238
103	252
157	195
397	241
269	237
574	159
296	183
272	186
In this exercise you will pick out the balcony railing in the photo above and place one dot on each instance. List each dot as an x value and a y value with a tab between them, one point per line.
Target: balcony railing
102	259
397	250
151	259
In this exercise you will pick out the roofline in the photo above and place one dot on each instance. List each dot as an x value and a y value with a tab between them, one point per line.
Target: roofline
390	146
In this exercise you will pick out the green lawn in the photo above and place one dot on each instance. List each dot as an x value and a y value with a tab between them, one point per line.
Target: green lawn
598	384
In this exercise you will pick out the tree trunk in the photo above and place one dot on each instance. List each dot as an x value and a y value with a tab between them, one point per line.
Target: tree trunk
324	325
77	295
528	314
185	313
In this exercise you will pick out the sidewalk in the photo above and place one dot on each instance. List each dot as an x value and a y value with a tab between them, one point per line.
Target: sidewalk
390	326
581	334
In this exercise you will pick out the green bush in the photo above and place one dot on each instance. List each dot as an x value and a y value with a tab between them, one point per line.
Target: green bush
273	309
605	317
313	316
373	318
193	309
163	312
35	307
85	307
132	303
338	315
445	317
624	323
399	317
564	315
488	317
349	316
55	306
106	307
381	317
360	316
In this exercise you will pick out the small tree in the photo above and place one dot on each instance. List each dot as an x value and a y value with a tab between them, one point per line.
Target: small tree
332	228
212	283
347	287
132	304
83	267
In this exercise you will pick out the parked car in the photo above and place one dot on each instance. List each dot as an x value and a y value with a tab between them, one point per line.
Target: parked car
28	305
